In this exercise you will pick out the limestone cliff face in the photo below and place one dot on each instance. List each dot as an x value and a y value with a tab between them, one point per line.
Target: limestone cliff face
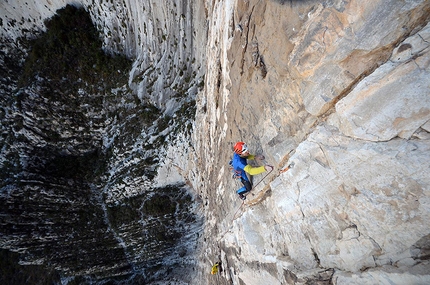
340	91
337	89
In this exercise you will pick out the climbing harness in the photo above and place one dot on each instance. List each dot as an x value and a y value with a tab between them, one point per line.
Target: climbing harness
236	173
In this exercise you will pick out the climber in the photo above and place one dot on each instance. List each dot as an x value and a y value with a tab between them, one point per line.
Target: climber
241	167
215	267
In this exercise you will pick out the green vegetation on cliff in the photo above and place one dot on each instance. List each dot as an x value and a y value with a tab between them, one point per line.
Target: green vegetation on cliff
70	51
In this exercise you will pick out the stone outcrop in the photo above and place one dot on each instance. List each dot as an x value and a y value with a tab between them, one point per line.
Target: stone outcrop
340	91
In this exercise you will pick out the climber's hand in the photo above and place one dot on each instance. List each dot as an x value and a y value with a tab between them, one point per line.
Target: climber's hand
260	157
268	167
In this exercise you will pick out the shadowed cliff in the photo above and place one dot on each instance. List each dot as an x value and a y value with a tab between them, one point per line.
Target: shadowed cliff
79	154
338	89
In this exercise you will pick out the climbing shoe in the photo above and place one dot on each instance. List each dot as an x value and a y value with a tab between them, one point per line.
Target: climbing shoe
241	196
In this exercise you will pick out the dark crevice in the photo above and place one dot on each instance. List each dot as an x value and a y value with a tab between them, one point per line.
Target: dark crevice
245	47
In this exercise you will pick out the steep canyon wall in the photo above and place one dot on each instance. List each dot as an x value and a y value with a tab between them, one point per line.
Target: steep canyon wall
340	91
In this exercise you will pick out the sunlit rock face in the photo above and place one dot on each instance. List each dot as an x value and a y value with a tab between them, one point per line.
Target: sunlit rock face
88	125
340	91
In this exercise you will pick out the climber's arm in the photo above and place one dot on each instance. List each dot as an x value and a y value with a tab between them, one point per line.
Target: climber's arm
254	170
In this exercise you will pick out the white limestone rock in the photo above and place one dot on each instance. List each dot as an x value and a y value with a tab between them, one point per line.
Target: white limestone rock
335	48
392	101
359	178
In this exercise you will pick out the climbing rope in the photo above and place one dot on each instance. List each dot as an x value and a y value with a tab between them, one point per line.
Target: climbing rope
253	187
243	203
234	216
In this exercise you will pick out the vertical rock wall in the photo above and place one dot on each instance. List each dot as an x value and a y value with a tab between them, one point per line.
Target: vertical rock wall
166	38
340	90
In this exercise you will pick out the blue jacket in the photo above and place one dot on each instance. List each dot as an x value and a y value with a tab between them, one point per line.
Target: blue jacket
241	167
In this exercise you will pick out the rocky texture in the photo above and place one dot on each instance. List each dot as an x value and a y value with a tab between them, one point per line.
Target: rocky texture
338	89
341	91
166	39
79	153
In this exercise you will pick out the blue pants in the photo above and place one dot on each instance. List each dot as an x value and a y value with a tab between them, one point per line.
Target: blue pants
247	186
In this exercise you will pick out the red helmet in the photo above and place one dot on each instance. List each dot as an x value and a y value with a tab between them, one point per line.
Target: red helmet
240	147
